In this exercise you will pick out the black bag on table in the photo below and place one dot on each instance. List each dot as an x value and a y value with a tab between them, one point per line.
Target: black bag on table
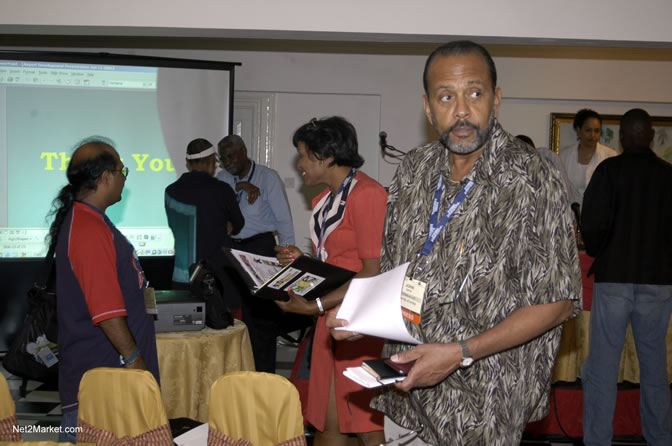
34	352
205	285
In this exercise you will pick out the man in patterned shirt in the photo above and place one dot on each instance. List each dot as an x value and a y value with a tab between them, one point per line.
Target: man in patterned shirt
496	281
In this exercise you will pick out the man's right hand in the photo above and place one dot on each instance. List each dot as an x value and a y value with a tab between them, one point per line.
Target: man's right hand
252	191
433	363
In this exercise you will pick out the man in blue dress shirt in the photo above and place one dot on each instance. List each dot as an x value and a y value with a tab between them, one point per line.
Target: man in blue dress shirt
263	201
260	192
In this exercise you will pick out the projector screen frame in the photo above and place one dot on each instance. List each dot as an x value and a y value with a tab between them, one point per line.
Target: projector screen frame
22	272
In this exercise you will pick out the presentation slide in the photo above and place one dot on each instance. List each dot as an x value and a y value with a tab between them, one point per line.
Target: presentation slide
46	108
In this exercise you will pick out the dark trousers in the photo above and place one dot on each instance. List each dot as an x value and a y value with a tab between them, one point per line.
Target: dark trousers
260	315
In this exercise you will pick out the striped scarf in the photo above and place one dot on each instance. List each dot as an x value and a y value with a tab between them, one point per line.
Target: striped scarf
326	217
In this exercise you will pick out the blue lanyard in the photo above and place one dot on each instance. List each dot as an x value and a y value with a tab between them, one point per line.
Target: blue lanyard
327	208
239	194
436	228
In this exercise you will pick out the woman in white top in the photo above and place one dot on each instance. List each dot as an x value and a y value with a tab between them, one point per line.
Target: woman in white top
581	159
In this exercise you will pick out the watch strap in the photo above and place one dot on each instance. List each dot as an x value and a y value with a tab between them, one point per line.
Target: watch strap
467	359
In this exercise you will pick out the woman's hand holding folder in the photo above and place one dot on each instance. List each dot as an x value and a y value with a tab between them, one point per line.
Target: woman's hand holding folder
298	304
287	254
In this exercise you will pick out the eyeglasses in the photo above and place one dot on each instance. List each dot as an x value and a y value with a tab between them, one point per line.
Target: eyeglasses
123	170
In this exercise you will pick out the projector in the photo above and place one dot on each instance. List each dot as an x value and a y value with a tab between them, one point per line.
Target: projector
178	310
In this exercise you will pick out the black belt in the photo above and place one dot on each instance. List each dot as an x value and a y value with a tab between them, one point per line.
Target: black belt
243	241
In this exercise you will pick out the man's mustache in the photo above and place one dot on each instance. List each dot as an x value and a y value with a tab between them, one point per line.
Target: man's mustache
463	123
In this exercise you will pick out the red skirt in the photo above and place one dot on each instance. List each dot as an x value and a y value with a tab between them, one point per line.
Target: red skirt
331	358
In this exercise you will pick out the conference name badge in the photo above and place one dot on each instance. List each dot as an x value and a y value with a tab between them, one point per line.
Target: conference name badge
412	296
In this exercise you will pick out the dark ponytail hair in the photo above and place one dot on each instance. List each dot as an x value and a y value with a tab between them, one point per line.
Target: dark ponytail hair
82	176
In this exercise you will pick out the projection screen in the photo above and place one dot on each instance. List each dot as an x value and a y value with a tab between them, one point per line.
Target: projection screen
149	107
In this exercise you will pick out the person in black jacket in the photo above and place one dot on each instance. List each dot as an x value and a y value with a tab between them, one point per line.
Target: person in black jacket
202	213
627	227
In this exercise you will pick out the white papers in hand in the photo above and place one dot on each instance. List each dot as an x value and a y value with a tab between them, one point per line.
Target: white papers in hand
372	306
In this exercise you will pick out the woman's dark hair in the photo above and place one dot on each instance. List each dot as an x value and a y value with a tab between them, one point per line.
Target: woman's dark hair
330	137
582	115
82	177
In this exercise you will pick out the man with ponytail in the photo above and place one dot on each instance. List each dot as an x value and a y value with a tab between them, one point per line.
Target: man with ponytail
102	321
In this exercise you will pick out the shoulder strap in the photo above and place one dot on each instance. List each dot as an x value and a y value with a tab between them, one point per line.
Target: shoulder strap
47	264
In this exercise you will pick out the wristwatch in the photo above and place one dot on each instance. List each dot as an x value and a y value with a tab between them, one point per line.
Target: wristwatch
467	360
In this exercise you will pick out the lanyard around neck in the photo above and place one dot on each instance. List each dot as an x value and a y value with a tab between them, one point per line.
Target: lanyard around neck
435	227
239	194
251	174
327	207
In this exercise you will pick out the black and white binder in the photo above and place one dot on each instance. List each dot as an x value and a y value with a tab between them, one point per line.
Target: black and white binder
305	276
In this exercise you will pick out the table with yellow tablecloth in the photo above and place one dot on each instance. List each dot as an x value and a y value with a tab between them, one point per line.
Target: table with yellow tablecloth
190	361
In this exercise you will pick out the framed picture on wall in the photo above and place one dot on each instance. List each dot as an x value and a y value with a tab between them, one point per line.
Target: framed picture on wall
563	134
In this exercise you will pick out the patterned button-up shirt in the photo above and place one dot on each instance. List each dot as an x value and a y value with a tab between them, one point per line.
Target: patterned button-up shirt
513	241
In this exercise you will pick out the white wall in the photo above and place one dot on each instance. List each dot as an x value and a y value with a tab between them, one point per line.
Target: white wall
397	80
532	88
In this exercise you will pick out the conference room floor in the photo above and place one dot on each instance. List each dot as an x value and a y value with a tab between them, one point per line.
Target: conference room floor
41	407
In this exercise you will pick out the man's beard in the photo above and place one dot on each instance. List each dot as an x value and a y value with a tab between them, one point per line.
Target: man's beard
465	148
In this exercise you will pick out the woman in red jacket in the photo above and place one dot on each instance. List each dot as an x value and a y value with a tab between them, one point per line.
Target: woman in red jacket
346	230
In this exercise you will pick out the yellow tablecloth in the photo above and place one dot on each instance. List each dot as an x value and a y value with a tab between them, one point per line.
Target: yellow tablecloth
574	349
189	362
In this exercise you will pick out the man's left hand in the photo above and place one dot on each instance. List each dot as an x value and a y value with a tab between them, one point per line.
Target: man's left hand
433	363
252	191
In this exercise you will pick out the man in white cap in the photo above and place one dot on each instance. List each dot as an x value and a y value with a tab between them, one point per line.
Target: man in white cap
198	200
